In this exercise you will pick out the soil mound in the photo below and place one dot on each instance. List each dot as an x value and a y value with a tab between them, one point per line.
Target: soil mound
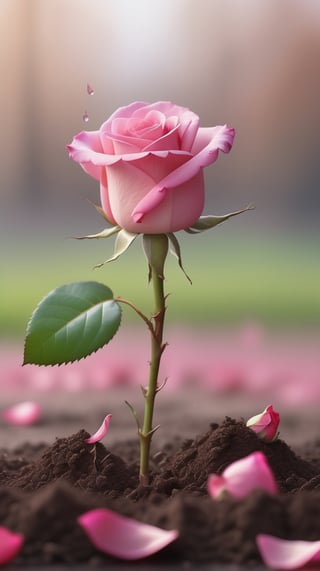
43	493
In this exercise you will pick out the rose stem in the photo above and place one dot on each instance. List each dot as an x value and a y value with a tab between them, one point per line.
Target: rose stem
157	348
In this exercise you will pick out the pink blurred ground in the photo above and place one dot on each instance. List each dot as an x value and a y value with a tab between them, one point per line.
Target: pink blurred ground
210	373
247	360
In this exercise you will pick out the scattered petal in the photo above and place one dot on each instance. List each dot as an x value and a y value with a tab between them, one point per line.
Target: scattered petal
287	554
123	537
10	544
101	432
23	414
265	424
242	477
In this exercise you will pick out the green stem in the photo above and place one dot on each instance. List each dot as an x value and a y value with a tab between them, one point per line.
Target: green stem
150	392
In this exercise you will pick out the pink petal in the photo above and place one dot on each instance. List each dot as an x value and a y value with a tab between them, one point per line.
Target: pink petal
10	544
84	148
287	554
243	476
128	110
217	485
260	422
123	537
23	414
101	432
265	424
213	140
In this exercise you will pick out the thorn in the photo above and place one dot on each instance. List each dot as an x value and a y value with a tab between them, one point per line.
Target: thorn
163	384
144	391
135	415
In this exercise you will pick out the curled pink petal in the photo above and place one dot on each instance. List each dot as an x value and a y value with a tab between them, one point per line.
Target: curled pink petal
287	554
23	414
10	544
213	140
243	476
123	537
101	432
265	424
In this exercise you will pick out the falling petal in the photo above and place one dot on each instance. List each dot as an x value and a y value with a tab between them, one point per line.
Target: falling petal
123	537
287	554
10	544
85	117
23	414
242	477
101	432
90	90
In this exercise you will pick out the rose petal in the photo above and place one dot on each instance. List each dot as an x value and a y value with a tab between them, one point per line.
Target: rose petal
243	476
10	544
265	424
287	554
123	537
213	140
101	432
23	414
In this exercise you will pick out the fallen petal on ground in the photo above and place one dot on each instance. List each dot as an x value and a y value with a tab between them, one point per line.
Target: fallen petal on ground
287	554
23	413
10	544
101	432
123	537
265	424
242	477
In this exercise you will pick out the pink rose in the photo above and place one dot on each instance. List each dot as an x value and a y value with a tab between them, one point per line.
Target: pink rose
149	160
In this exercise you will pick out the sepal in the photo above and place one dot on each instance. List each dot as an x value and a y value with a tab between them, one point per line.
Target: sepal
104	234
208	222
124	239
175	250
102	213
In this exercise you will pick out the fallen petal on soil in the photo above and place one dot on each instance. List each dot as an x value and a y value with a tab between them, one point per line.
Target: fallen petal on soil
101	432
123	537
10	544
265	424
242	477
287	554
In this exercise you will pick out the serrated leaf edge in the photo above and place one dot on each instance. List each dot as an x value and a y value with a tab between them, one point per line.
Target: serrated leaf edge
70	361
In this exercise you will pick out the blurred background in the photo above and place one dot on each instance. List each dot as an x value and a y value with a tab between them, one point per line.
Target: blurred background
254	65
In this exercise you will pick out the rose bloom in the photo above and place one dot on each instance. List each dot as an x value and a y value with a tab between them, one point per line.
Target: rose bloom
149	159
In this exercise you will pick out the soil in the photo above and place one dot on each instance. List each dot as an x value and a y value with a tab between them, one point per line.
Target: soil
43	488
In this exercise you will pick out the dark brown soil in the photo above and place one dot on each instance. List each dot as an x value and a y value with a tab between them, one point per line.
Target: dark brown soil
44	488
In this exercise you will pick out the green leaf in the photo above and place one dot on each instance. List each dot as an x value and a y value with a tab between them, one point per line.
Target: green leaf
207	222
70	323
